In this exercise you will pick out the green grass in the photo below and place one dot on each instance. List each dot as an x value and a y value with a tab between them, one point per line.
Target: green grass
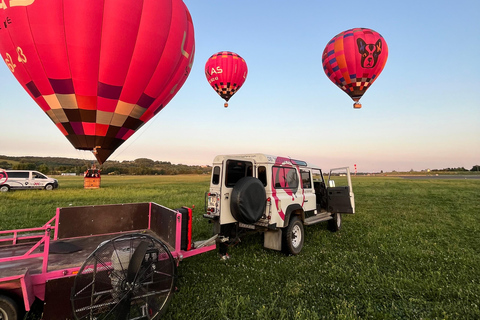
412	251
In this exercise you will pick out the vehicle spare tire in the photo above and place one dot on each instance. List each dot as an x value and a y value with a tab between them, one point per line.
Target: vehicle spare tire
248	200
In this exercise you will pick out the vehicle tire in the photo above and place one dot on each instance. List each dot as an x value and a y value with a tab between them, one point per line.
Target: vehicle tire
293	236
4	188
49	187
8	309
248	200
336	223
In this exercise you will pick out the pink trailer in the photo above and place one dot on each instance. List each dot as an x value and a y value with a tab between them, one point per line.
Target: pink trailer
97	262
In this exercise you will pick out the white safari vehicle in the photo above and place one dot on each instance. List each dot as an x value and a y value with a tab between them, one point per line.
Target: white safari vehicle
274	195
25	179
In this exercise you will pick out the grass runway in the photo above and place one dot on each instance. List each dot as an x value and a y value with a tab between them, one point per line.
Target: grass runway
411	251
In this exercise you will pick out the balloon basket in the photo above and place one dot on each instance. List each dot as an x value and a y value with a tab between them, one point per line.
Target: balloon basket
91	183
225	105
357	105
92	179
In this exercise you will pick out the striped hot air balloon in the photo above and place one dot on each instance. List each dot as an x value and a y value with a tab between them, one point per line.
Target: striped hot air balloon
100	69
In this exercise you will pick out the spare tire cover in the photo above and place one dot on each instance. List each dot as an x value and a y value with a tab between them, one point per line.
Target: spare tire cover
248	200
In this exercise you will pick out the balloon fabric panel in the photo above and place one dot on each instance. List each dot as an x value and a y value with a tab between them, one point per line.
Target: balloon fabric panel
98	68
180	36
353	59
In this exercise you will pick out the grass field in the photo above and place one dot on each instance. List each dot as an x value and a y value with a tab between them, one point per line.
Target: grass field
412	251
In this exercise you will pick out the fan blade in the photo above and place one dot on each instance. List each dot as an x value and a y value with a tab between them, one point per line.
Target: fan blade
136	261
123	307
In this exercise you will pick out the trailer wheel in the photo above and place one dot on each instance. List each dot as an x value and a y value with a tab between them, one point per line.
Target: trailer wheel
248	200
8	309
336	223
128	277
293	236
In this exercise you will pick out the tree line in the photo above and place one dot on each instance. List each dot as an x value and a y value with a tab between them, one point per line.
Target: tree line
141	166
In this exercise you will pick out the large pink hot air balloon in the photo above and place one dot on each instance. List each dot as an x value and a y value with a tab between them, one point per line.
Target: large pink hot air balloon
226	72
100	69
354	59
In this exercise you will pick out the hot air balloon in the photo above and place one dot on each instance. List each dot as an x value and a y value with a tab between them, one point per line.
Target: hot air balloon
100	69
226	72
354	59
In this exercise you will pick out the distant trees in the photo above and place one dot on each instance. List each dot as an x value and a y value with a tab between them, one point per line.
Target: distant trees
475	168
458	169
25	166
5	165
43	168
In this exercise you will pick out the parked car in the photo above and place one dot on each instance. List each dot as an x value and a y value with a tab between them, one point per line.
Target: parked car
25	179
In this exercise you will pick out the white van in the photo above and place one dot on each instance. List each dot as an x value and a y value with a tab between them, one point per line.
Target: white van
25	179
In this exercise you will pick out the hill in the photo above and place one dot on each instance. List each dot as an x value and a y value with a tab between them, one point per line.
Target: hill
58	165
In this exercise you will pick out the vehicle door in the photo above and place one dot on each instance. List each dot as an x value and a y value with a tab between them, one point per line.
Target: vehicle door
309	203
340	197
37	180
233	171
19	179
286	189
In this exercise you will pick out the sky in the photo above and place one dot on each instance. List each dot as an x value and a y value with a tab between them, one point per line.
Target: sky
422	112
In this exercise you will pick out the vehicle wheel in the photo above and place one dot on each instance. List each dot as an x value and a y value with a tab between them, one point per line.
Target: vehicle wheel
49	187
4	188
248	200
336	223
8	309
293	236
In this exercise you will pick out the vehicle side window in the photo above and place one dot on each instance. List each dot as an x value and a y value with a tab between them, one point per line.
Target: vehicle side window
317	175
318	182
306	179
216	175
21	175
236	170
285	178
37	175
262	175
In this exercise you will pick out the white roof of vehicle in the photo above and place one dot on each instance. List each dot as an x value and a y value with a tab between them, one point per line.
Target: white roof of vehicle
262	158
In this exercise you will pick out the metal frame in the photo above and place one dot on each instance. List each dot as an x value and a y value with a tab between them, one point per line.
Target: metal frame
32	283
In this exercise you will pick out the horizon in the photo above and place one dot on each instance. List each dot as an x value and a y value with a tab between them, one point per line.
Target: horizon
445	169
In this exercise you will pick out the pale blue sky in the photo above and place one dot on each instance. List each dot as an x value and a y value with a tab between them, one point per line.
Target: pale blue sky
422	112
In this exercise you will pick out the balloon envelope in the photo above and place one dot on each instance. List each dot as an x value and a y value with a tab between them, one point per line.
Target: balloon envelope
226	72
353	59
100	69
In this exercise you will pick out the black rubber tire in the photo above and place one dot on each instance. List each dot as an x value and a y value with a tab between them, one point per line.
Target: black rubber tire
293	237
8	308
49	187
4	188
336	223
248	200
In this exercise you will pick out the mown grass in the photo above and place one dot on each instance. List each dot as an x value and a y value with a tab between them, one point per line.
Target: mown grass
412	251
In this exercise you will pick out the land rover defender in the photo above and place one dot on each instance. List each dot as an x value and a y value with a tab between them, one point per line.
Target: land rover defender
274	195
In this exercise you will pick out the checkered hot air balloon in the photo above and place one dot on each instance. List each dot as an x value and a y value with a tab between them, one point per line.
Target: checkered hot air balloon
354	59
100	69
226	72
